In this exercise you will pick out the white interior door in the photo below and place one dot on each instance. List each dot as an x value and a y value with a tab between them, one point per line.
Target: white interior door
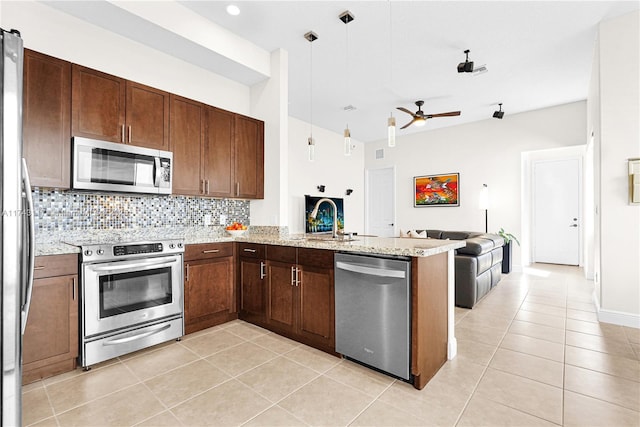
381	202
556	211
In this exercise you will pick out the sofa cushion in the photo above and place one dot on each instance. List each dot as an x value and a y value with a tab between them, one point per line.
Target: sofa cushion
477	246
455	235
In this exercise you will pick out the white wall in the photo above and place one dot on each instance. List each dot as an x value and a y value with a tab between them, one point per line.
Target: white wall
484	152
330	168
618	139
55	33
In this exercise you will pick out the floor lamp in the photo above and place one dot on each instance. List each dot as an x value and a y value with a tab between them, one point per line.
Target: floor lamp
484	204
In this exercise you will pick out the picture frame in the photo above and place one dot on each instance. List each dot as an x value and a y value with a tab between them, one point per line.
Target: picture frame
436	190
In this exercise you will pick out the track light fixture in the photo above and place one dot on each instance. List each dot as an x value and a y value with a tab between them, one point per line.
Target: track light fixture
498	114
466	66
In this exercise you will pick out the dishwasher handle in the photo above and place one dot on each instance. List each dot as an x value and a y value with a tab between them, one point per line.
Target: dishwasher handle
371	271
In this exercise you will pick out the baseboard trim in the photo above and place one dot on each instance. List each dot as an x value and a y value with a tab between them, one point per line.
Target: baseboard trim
616	317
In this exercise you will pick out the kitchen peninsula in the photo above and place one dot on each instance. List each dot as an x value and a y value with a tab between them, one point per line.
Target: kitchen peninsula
432	272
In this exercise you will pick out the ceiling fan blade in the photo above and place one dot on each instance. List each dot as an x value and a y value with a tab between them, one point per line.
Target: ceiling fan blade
408	124
449	114
405	110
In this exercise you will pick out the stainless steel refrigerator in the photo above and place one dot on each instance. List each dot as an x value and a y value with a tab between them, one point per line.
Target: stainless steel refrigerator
17	231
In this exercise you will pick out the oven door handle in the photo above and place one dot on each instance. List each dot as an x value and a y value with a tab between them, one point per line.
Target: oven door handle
138	265
138	336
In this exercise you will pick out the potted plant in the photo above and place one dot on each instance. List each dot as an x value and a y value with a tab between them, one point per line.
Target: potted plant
506	249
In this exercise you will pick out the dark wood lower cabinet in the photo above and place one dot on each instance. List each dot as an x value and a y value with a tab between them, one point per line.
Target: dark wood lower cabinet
50	342
209	286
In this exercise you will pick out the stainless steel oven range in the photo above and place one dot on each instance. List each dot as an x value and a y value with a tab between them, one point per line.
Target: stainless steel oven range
131	297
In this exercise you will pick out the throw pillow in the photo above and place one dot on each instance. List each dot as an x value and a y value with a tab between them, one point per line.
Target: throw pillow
416	235
404	233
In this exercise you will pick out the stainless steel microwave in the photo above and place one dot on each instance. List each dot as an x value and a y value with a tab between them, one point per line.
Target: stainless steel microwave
107	166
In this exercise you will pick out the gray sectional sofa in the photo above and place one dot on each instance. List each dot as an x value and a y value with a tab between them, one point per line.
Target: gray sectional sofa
478	265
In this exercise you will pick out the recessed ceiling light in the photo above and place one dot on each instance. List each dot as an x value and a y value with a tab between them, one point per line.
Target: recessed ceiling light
233	10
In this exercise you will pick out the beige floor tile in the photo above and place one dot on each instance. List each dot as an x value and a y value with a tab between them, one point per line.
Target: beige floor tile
277	378
460	313
163	419
183	383
241	358
457	374
275	417
533	330
90	385
206	345
555	301
607	330
587	316
325	402
276	343
47	422
544	309
602	344
584	306
312	358
475	352
498	309
583	411
79	371
438	406
541	319
603	362
35	406
633	334
381	414
489	336
366	380
158	362
636	348
477	319
246	331
533	346
32	386
122	408
605	387
483	412
231	403
534	398
528	366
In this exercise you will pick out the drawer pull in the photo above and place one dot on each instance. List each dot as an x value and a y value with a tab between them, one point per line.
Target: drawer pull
263	272
211	251
39	267
250	250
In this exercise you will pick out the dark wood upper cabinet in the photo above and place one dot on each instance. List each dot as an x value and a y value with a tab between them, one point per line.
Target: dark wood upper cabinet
219	153
185	143
147	116
249	158
98	105
46	119
109	108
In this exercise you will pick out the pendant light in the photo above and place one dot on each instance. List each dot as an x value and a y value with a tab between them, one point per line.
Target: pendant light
347	17
311	144
391	122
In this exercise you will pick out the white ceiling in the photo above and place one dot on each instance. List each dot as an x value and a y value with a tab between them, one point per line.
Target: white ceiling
538	54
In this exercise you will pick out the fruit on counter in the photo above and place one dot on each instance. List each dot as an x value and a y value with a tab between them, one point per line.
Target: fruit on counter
236	226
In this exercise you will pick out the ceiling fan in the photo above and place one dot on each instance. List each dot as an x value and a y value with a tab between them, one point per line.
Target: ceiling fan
419	117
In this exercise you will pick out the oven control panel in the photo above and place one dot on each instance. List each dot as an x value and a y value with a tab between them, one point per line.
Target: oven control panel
109	252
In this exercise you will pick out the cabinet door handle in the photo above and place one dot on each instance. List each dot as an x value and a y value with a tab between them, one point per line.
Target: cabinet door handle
297	276
207	186
237	188
249	250
202	186
39	267
293	276
263	272
73	288
211	251
129	134
122	135
186	274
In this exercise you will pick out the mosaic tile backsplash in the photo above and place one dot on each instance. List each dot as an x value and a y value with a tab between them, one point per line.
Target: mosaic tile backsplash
66	211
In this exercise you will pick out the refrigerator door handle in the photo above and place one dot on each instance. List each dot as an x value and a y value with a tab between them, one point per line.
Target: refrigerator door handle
29	255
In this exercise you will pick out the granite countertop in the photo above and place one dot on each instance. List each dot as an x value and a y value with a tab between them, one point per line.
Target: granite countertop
57	243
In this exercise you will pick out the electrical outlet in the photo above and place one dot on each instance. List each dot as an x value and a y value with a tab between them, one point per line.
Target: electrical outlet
207	220
223	219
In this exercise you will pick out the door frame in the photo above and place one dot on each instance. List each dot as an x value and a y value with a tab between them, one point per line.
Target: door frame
528	221
367	198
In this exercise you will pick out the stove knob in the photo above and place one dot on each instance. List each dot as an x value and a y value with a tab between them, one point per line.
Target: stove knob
180	245
100	251
171	246
88	252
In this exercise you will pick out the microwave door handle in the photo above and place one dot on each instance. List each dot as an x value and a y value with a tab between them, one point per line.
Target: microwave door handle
157	172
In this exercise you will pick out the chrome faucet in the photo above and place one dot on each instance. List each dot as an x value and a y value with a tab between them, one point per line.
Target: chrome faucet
314	213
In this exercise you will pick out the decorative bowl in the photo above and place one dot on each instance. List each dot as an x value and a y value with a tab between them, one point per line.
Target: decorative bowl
236	233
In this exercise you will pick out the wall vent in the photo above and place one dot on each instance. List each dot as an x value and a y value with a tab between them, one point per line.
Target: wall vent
380	153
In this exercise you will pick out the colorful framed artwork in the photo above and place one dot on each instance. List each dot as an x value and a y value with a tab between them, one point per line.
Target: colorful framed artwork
436	190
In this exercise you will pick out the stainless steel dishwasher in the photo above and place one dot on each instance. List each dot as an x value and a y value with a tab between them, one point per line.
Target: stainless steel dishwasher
373	311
